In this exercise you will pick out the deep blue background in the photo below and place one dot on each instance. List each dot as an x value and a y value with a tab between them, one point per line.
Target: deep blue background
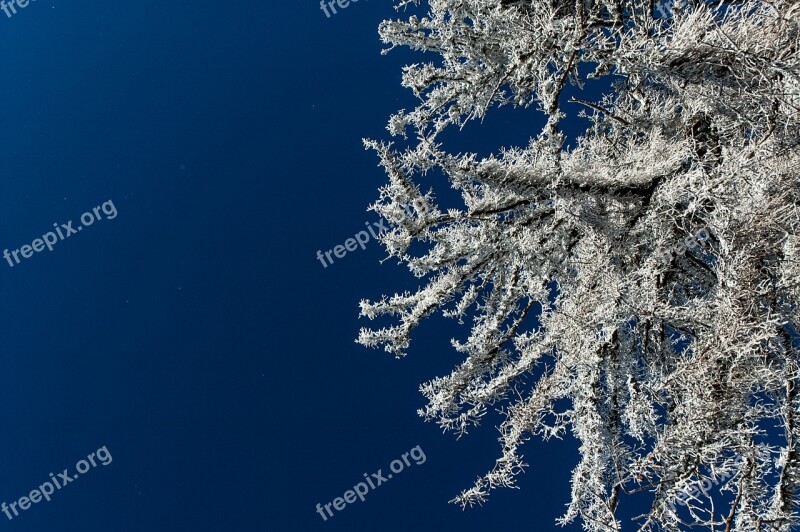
196	335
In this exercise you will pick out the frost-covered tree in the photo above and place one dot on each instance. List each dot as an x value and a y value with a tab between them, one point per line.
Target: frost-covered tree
638	289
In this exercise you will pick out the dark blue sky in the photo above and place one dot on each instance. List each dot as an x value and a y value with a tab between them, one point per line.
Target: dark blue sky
196	335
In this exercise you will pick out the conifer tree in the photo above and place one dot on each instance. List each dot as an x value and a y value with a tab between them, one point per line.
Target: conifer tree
639	288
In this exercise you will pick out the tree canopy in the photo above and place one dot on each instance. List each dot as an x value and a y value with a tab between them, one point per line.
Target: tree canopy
638	288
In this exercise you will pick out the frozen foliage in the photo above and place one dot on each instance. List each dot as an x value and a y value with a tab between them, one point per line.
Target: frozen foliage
668	370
